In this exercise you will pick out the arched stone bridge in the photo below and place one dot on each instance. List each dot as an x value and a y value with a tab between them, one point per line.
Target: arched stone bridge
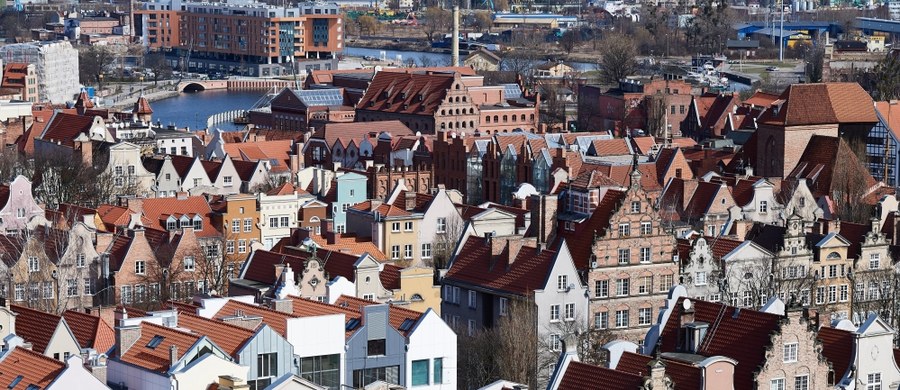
234	84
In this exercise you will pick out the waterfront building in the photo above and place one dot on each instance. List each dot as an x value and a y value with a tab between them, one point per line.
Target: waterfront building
55	64
243	36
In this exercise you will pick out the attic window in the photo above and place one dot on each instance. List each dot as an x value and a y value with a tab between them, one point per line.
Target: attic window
15	382
155	341
352	324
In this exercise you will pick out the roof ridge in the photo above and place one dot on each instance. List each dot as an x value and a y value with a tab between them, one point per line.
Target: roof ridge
40	356
219	323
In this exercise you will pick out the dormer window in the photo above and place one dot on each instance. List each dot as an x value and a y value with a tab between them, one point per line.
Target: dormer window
198	223
171	224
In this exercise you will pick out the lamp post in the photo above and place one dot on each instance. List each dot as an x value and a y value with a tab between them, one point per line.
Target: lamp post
141	78
99	83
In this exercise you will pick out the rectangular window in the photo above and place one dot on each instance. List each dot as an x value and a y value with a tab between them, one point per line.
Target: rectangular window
601	288
139	267
832	294
801	382
624	229
645	255
845	293
438	376
473	299
154	292
242	246
776	384
873	381
570	312
763	206
126	294
376	347
562	282
236	226
47	290
273	222
20	292
441	225
621	318
622	287
554	312
874	260
227	181
644	316
395	252
285	222
426	251
408	226
645	284
635	207
624	256
601	320
407	251
504	309
646	228
790	352
700	279
390	374
248	225
80	260
555	342
229	247
420	372
395	227
71	287
33	264
88	286
267	365
189	263
666	282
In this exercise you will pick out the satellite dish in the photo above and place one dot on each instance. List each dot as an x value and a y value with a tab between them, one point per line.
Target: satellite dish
686	304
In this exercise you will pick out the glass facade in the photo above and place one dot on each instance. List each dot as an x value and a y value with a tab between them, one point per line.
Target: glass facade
324	370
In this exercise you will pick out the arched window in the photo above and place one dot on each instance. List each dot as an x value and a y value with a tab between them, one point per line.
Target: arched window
487	119
505	119
833	256
496	120
523	117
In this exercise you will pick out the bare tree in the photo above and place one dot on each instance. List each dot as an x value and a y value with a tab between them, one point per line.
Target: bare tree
656	106
61	180
875	291
437	21
848	188
444	244
93	61
367	24
160	69
482	21
617	58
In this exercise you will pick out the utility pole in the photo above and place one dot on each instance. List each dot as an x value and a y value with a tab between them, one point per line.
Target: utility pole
781	34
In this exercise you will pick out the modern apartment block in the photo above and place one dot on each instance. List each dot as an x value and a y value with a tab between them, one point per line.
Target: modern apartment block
243	36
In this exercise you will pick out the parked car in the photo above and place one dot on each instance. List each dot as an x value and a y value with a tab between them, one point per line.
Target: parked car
771	69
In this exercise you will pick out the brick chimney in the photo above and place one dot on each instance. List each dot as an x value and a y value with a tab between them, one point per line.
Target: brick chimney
126	336
543	213
741	228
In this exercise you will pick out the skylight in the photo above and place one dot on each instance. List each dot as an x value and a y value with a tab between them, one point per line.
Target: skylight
15	382
407	325
352	324
155	341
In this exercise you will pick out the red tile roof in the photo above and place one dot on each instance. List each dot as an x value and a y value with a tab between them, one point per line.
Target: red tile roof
227	336
890	111
818	162
90	331
721	246
812	104
275	319
411	94
838	348
155	211
34	368
358	131
610	147
157	358
475	265
740	334
580	376
35	326
593	179
142	106
642	145
761	99
65	128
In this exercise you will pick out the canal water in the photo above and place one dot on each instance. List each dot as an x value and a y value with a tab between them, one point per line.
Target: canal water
192	109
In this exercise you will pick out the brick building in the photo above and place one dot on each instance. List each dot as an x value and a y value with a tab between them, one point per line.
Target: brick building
626	106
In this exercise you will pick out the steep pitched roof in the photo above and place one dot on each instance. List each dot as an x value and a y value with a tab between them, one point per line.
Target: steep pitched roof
406	93
154	211
581	240
358	131
822	103
142	106
228	337
610	147
838	347
685	376
155	356
33	368
580	376
742	335
475	265
593	179
818	162
35	326
761	99
65	128
90	331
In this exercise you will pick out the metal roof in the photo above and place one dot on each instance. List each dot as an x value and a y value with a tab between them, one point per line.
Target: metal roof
320	97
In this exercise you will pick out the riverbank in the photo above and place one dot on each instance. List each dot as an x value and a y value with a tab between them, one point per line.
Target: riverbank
120	103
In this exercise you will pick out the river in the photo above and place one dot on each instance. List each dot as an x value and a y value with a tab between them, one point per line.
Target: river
192	109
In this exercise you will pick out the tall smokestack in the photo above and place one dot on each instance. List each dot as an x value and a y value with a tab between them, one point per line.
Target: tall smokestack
454	45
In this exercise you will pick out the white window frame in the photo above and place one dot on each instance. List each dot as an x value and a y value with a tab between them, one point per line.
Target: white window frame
789	352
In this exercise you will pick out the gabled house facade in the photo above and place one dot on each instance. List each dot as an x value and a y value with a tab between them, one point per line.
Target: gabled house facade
17	205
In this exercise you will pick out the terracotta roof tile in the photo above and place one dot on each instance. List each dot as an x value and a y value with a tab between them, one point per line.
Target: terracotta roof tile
227	336
34	368
275	319
642	145
35	326
475	265
157	358
610	147
411	94
684	376
819	159
350	244
90	331
761	99
580	376
593	179
65	128
838	348
396	315
811	104
154	210
142	106
741	334
581	239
